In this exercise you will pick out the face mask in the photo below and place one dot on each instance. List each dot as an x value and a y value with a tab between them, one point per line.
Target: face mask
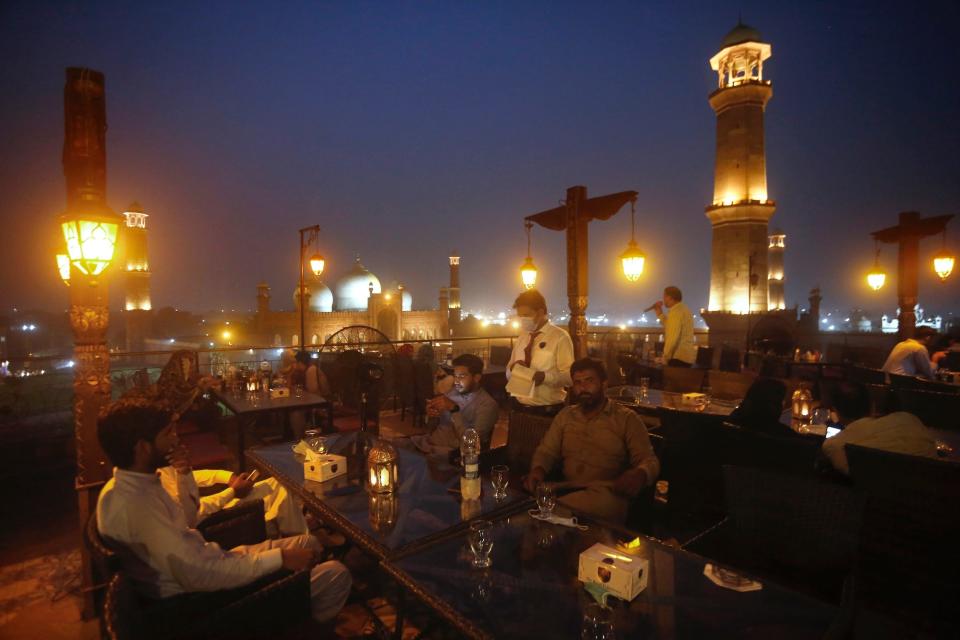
527	325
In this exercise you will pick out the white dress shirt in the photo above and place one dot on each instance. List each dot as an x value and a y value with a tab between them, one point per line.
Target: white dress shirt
135	510
552	353
909	358
678	340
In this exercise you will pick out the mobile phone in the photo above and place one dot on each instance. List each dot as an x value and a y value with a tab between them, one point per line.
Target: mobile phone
253	475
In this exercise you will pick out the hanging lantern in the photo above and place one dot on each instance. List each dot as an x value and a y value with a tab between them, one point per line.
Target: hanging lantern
316	264
91	238
876	277
632	259
802	405
63	265
528	271
382	468
943	261
383	509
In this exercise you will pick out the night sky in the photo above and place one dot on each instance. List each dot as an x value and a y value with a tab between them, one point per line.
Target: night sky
407	130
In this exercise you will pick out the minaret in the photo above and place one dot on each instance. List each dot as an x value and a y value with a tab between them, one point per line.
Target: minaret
454	290
137	265
778	241
741	207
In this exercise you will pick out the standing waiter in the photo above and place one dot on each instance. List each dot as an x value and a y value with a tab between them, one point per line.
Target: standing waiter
679	348
544	348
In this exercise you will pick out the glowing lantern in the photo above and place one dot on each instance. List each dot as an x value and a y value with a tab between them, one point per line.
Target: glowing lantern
876	277
528	272
91	238
943	264
382	468
802	405
63	265
316	264
632	259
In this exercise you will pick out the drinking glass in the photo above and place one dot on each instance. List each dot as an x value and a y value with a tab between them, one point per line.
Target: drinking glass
314	440
820	415
644	388
500	478
298	391
481	542
546	499
597	623
707	395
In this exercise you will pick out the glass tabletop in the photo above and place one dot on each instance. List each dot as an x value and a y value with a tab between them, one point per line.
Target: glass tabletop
630	396
239	404
531	589
426	504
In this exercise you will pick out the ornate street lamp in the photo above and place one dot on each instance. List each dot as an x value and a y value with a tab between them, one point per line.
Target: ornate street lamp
632	259
528	271
308	236
63	266
943	260
91	236
877	276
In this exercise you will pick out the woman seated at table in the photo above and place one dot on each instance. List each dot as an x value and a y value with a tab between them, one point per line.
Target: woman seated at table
762	407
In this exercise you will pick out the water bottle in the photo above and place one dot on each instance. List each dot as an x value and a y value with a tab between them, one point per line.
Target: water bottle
470	453
470	459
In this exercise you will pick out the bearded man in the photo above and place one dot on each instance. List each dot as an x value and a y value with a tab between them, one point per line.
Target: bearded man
602	447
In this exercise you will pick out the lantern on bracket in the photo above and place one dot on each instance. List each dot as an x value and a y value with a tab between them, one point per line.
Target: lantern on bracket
528	271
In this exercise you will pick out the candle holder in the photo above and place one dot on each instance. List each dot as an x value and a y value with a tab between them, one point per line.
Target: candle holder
382	468
802	406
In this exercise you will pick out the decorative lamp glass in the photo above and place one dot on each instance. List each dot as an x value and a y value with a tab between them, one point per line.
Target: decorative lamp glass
802	405
876	279
632	261
383	509
528	273
316	264
943	264
63	265
91	238
382	468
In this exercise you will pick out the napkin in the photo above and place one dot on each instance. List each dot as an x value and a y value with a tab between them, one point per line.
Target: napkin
730	580
598	592
301	448
555	519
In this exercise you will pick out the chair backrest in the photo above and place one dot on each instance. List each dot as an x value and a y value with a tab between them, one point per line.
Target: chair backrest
727	385
500	355
786	454
785	520
523	437
909	557
866	375
704	357
682	379
121	618
912	382
729	359
936	410
403	380
881	399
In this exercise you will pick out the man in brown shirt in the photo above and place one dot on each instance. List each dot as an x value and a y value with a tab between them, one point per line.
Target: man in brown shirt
601	445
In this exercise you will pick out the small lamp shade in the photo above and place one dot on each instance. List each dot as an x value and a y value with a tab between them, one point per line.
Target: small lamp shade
943	264
63	265
528	273
632	261
382	468
802	405
91	241
876	279
317	264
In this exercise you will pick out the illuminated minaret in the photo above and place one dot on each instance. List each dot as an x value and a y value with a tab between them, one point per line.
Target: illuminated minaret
741	207
454	291
778	241
137	265
137	277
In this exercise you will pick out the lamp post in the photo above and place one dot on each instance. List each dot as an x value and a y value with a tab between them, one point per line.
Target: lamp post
308	236
90	231
573	217
907	235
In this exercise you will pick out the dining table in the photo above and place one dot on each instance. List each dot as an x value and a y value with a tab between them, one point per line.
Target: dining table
532	588
648	402
247	408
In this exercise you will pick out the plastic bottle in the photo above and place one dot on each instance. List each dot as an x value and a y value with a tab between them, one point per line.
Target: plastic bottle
470	453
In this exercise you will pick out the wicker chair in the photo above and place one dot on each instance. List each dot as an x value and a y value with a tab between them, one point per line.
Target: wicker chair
908	557
801	532
264	607
866	375
682	379
937	410
912	382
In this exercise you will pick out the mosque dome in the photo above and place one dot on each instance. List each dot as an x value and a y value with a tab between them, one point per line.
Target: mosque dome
353	289
321	298
740	34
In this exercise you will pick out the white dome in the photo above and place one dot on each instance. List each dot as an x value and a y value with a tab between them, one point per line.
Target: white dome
321	298
353	289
